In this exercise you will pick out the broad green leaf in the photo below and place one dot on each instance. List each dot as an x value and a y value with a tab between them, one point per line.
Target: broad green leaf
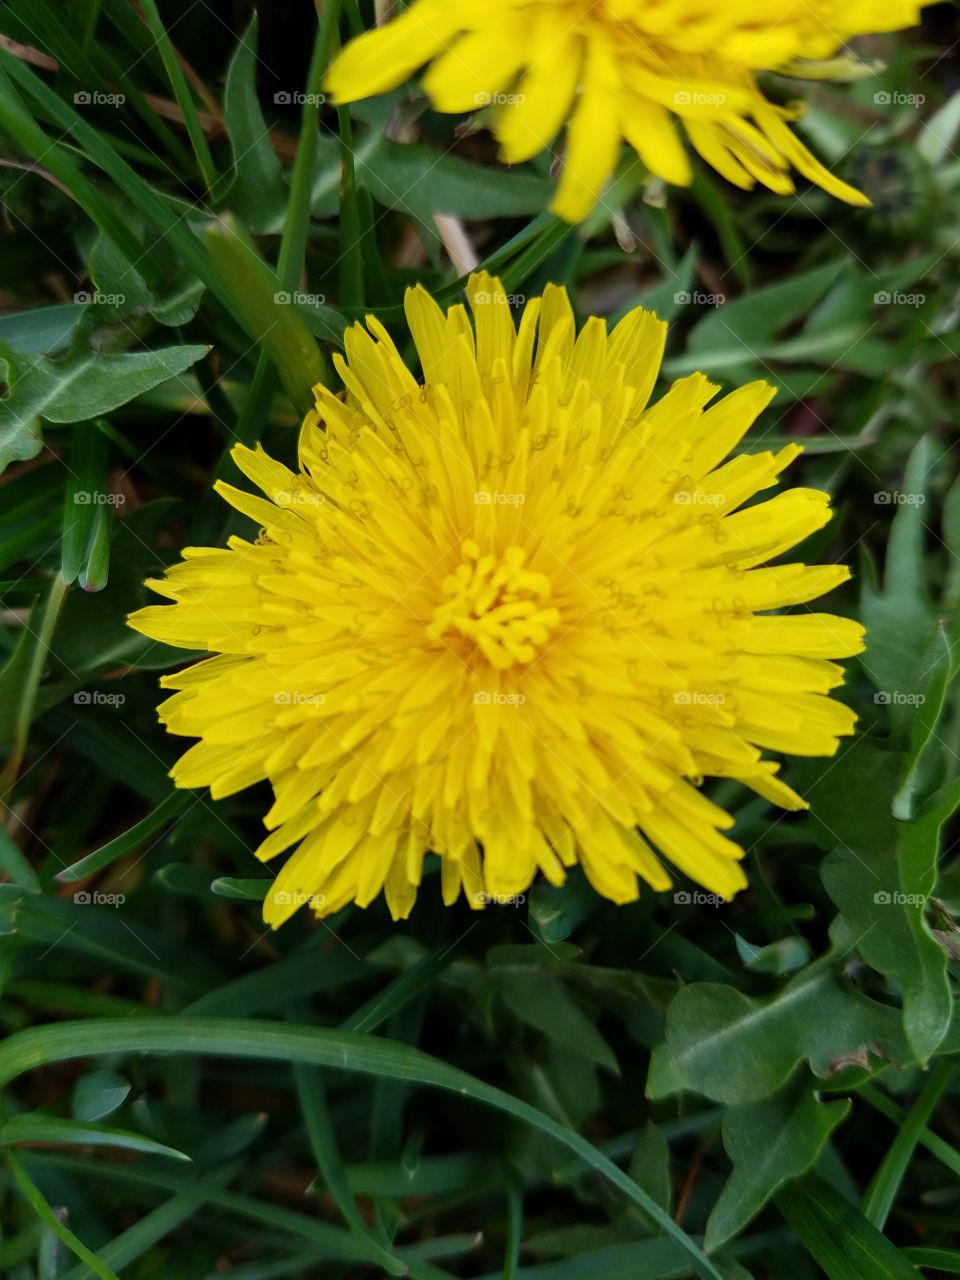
904	657
843	1242
924	742
41	331
394	174
258	195
176	304
769	1143
544	1003
745	328
882	878
557	910
97	1094
80	386
737	1049
784	956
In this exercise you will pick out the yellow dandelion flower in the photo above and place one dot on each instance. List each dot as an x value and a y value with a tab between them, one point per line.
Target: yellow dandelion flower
623	69
512	616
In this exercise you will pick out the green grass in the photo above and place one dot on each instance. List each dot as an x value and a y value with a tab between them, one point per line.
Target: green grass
553	1091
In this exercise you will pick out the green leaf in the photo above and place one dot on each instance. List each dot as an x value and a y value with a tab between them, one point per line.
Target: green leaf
744	330
37	1127
838	1236
181	90
886	1181
544	1003
20	682
85	494
394	175
36	1046
556	910
13	676
41	330
924	741
83	385
258	196
737	1049
311	1095
784	956
650	1165
266	313
97	1094
935	1259
646	1260
882	879
15	865
905	654
34	1197
248	890
769	1143
176	304
167	809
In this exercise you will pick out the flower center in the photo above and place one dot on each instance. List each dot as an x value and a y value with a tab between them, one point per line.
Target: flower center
498	604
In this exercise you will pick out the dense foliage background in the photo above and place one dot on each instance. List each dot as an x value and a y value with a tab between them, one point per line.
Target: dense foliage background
554	1091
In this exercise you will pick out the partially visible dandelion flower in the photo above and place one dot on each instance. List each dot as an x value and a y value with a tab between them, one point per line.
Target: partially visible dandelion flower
512	617
623	69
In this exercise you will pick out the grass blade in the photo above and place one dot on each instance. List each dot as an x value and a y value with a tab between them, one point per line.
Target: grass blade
34	1197
341	1050
880	1195
838	1236
171	807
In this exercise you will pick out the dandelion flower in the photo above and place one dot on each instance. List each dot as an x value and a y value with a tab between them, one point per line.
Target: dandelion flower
614	69
511	616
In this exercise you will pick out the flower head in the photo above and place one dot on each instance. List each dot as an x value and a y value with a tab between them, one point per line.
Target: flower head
512	616
618	69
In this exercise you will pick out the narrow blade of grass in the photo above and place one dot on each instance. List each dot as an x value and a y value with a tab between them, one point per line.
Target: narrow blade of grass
341	1050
